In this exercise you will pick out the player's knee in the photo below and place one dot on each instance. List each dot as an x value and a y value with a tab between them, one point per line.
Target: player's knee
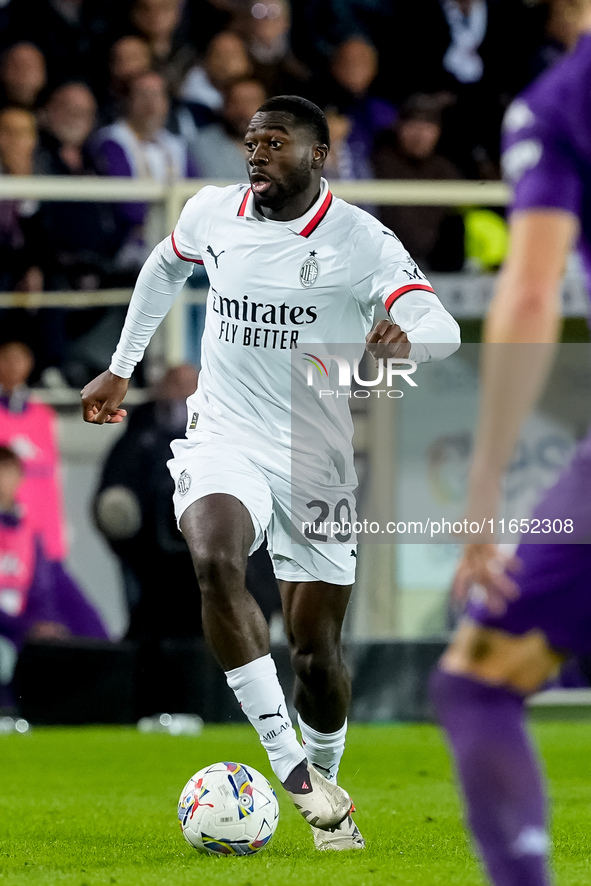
316	666
472	651
522	662
219	572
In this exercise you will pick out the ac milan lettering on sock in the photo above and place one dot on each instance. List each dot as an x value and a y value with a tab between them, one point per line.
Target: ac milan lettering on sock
275	732
261	697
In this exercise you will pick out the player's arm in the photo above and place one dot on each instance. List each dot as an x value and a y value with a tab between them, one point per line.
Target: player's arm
160	281
520	335
523	324
387	274
431	330
420	328
525	311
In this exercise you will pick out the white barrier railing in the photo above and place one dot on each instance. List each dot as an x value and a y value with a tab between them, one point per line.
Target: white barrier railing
465	295
119	189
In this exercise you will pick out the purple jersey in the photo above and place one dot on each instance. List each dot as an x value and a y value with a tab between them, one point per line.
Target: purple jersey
555	594
547	160
547	143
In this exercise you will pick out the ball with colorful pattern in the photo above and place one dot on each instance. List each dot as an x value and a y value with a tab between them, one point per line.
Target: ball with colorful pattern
228	809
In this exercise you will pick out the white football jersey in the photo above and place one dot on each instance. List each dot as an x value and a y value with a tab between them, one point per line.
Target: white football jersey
280	294
277	287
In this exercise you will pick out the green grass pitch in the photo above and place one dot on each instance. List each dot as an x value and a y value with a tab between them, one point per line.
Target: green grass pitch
94	806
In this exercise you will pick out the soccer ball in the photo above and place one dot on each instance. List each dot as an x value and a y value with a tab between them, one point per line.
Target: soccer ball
228	809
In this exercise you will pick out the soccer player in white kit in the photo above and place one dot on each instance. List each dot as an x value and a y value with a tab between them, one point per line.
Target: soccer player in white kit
288	265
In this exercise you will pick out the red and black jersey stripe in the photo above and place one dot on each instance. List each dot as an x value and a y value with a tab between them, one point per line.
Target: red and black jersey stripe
314	222
408	288
242	209
196	261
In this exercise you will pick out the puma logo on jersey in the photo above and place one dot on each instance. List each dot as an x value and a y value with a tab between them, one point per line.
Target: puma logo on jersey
214	256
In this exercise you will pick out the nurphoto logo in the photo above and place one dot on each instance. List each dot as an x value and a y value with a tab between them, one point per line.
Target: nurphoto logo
389	371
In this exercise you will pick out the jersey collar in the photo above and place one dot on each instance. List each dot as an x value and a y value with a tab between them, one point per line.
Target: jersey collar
305	224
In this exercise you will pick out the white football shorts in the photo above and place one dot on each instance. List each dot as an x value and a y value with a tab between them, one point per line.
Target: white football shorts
207	463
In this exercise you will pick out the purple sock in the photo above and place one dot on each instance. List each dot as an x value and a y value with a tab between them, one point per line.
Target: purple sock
499	774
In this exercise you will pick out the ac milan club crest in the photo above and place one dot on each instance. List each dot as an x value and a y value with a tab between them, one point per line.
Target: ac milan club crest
309	271
184	483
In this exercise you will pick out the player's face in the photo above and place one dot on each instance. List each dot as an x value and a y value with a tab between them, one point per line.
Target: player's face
284	161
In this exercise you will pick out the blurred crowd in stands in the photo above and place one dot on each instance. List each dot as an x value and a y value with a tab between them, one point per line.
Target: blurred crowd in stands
163	89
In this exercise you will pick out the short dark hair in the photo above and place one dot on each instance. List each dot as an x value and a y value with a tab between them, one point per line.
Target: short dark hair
8	457
306	114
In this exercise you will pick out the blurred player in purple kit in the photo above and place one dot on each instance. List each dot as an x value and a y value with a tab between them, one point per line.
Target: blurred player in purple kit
536	610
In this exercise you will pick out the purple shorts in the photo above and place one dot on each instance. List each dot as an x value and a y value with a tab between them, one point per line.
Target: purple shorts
555	579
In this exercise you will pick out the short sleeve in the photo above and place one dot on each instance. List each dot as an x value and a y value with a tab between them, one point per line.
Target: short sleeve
538	161
385	271
186	235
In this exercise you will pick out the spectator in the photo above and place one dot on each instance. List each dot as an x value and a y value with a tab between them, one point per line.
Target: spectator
74	35
23	249
7	8
23	76
128	58
559	33
67	120
432	234
210	17
319	26
343	164
266	30
30	429
160	23
38	599
218	149
353	70
80	239
226	59
478	51
52	245
18	141
21	243
139	146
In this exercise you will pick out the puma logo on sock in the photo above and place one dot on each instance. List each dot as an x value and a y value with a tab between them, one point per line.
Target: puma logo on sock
268	716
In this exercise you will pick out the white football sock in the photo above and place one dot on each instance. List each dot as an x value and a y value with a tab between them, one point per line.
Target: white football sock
261	697
324	749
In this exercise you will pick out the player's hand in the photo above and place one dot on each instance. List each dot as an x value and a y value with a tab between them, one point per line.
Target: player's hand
387	339
485	568
101	399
